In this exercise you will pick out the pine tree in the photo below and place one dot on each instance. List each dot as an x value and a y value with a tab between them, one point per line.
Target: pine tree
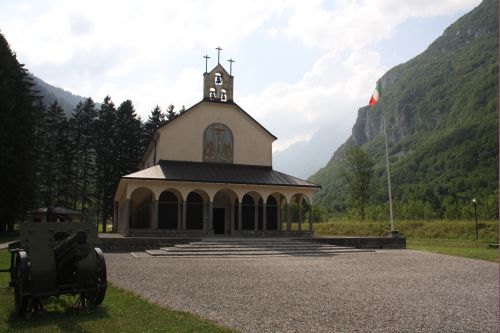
66	157
105	157
155	120
50	155
128	133
171	114
84	134
18	107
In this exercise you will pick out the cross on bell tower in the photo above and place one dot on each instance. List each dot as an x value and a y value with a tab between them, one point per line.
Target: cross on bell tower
218	83
218	54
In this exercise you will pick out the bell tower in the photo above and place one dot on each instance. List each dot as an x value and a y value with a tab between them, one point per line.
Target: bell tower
218	83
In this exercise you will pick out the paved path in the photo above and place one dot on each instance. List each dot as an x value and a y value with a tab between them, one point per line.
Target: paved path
382	291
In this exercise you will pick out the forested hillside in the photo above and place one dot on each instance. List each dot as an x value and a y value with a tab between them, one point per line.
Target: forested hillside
66	100
441	111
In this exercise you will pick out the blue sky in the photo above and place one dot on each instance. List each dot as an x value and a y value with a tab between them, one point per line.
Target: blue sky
300	65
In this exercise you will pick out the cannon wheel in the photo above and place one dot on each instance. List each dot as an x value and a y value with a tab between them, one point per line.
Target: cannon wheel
96	298
21	275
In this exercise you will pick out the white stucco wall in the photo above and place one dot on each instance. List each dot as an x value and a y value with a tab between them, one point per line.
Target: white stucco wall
182	140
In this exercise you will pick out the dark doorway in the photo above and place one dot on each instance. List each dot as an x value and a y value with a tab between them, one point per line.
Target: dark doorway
272	214
194	212
219	219
167	211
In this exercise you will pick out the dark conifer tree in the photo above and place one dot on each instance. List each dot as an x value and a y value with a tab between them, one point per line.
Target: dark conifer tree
128	134
50	157
155	120
66	156
18	108
105	158
84	134
171	114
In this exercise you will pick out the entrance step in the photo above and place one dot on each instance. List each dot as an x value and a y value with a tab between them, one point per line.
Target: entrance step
250	248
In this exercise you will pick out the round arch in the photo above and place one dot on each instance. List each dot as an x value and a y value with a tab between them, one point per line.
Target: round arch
168	209
248	212
195	209
301	209
272	213
141	205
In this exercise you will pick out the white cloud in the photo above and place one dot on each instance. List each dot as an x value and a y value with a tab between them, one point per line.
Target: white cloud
132	50
329	94
355	24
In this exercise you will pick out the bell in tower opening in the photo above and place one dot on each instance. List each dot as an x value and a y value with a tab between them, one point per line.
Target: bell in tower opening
218	83
218	79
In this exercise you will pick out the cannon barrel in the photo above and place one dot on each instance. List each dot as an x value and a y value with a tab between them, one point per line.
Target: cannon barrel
71	249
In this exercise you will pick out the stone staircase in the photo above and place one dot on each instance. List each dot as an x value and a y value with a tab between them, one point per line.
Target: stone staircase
247	247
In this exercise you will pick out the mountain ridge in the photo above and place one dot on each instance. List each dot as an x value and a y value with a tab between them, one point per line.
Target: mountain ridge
437	105
50	93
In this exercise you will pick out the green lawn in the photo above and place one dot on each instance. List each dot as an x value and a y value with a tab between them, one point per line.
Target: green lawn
466	249
452	237
121	311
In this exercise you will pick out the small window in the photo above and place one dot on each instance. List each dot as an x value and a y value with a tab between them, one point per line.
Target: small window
223	95
218	79
213	95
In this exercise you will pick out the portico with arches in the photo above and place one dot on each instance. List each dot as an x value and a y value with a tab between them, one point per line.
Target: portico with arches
209	172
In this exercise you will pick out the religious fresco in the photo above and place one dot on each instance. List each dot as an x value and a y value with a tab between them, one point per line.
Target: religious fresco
218	144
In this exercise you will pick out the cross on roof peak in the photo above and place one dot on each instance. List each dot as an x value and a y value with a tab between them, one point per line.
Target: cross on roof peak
231	66
206	62
218	48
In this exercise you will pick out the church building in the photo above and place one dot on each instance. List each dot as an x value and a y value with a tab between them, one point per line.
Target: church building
209	172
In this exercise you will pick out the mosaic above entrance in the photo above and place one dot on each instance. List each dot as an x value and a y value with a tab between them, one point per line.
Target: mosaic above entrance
218	144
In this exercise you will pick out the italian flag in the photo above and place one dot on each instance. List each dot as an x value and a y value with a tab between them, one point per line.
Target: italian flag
375	96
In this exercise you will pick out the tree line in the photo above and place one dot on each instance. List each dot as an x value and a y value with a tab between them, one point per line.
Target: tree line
361	201
82	158
50	160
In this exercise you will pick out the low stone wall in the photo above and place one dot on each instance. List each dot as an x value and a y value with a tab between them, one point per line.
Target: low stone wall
364	242
118	243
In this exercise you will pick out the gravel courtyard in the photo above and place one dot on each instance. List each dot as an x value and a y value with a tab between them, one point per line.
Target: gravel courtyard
382	291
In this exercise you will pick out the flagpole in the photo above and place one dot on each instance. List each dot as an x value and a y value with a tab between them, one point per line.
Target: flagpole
388	177
374	102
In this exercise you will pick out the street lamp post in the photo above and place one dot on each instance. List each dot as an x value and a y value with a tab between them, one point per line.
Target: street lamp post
474	202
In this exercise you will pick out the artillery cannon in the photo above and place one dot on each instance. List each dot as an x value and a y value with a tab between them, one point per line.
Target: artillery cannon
56	258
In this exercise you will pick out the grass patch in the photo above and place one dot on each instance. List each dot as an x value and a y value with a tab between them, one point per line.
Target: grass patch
474	250
440	229
456	238
121	311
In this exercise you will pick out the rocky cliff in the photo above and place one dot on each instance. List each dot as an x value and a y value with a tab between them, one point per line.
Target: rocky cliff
441	112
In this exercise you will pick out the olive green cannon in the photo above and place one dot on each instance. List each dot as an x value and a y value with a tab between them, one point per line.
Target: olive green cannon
53	259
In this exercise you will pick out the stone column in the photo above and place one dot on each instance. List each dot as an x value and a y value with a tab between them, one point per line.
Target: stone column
288	217
311	218
126	215
231	218
115	216
300	214
239	216
280	215
256	217
264	217
179	216
211	217
154	215
183	228
205	216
